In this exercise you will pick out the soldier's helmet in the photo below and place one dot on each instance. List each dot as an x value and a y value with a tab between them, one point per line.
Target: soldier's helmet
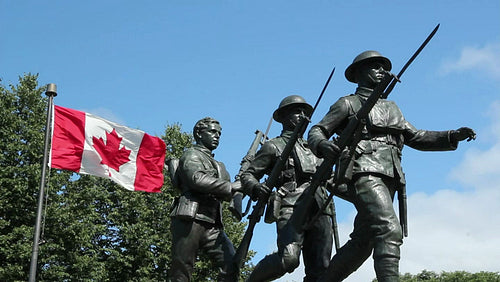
366	56
289	102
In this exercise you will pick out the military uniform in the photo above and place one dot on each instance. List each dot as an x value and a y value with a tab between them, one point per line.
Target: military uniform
316	242
197	215
376	176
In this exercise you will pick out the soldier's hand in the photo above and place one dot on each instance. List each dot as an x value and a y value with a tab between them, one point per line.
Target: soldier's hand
236	187
328	149
463	133
260	191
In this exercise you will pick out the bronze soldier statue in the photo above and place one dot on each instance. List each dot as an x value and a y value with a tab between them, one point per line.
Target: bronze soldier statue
376	172
316	242
197	215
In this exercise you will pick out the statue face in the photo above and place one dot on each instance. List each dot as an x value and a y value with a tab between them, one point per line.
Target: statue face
209	137
371	74
292	117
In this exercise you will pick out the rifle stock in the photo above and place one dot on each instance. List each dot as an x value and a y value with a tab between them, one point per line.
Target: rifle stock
235	206
247	159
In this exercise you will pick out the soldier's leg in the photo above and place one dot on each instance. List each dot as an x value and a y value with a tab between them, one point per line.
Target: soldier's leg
275	265
221	250
268	269
185	242
317	248
376	228
351	255
287	258
375	196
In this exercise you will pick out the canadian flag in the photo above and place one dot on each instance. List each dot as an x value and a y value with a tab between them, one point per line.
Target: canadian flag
87	144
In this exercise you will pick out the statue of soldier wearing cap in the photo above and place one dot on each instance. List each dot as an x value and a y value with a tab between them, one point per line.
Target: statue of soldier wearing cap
376	172
316	242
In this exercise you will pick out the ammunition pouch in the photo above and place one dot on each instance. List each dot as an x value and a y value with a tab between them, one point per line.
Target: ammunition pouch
273	208
275	200
344	168
185	208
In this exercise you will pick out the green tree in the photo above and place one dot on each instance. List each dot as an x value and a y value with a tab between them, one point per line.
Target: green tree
456	276
93	230
22	113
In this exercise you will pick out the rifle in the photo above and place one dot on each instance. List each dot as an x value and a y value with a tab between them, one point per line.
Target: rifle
271	182
235	206
348	141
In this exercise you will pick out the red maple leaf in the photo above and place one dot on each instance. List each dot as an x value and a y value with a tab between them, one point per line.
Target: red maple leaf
110	152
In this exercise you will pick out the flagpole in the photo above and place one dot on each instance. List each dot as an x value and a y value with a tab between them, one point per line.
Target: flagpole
51	92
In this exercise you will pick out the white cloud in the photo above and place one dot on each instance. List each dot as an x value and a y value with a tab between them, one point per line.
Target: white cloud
485	59
106	114
481	168
454	230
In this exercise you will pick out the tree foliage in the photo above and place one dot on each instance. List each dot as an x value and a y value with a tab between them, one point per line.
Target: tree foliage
93	229
456	276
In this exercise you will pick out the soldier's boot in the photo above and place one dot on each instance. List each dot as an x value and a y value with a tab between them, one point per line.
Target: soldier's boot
387	269
268	269
386	256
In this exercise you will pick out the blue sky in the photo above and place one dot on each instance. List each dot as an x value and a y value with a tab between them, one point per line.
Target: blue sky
161	62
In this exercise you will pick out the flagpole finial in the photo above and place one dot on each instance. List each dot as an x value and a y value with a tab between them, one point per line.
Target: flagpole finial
51	90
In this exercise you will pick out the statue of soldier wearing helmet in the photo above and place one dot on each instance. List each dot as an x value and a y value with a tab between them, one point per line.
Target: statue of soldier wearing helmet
376	172
316	242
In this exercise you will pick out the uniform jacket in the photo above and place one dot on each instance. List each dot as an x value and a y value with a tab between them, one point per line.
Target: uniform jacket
297	173
204	182
383	137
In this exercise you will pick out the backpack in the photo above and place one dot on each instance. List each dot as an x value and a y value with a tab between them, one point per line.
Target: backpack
172	166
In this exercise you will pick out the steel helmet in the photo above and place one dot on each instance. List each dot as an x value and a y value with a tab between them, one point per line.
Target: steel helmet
366	56
289	101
